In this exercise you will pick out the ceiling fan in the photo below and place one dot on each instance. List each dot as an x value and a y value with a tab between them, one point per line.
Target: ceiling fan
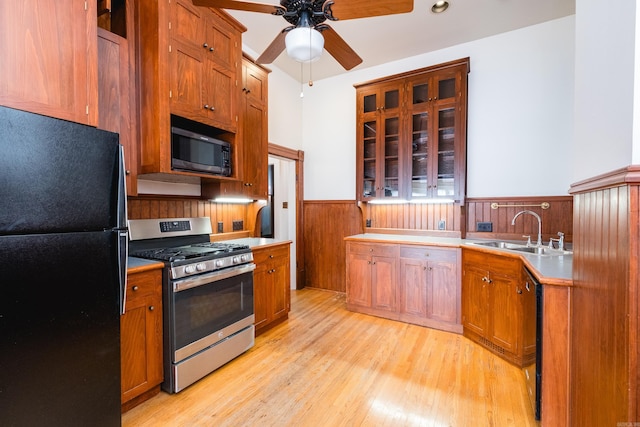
308	33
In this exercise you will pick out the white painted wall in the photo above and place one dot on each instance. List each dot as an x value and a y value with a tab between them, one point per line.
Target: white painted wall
604	87
520	115
284	221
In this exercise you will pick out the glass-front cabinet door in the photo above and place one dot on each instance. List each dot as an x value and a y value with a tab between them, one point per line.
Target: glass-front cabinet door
433	135
379	138
411	136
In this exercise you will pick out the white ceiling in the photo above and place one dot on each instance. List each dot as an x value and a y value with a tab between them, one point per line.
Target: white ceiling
384	39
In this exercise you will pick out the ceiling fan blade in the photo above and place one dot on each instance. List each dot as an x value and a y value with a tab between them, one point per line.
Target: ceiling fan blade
354	9
273	50
339	49
237	5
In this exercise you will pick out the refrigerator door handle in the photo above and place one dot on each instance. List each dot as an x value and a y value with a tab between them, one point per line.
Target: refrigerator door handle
122	192
123	254
123	233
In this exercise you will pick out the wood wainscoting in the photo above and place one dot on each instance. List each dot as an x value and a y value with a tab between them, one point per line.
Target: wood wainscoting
604	318
326	224
558	217
411	216
181	207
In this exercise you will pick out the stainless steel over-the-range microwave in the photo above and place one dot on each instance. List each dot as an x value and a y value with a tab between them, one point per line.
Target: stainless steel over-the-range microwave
194	152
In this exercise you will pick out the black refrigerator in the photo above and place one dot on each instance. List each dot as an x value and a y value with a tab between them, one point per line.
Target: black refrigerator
63	252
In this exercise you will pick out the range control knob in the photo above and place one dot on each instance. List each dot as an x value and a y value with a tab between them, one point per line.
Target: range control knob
245	257
190	269
220	263
236	259
201	266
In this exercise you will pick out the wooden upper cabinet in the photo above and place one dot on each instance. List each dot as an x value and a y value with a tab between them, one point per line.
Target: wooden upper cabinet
189	66
380	129
253	131
204	74
411	135
49	58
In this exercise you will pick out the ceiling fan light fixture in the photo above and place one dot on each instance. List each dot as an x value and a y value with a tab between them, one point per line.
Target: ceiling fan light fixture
304	44
440	6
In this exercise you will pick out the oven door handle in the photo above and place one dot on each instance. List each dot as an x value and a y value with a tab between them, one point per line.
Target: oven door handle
204	279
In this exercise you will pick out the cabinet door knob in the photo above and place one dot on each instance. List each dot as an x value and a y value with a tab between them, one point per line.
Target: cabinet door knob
151	308
211	49
206	106
204	45
271	256
212	108
135	288
519	291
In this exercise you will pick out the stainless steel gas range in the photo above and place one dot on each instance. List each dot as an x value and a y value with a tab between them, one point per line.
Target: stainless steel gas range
207	293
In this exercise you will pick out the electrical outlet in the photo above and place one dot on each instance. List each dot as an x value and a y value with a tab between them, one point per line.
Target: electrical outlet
220	226
484	226
368	223
238	225
442	224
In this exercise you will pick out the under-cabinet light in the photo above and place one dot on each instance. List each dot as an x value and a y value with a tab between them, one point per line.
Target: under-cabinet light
430	201
388	201
237	200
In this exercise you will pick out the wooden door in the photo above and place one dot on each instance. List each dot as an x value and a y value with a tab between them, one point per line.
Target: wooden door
141	335
359	279
383	283
443	295
260	294
413	287
505	319
280	284
475	299
49	58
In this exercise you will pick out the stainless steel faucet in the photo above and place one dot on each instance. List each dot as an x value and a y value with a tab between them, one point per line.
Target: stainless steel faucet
513	222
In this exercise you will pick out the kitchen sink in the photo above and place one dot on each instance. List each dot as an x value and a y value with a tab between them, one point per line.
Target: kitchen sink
535	250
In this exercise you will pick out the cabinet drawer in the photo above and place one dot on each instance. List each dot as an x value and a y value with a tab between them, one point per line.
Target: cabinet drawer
429	253
508	265
261	256
375	249
143	284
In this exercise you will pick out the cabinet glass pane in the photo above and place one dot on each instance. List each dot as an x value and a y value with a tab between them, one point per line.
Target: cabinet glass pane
420	93
447	88
419	154
446	152
392	99
370	134
370	103
369	140
391	159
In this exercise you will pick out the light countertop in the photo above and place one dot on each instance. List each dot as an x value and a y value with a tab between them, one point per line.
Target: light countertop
550	270
258	242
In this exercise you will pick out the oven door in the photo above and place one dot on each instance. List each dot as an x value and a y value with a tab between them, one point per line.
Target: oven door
205	309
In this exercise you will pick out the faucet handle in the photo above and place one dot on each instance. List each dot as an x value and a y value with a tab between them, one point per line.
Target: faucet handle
528	239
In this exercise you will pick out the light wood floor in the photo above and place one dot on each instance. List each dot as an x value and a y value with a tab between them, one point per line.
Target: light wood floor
327	366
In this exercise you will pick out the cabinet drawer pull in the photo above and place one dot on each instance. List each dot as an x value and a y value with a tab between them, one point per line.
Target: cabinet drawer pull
271	256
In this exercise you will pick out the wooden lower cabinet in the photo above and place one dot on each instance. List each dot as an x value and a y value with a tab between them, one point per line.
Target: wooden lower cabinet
372	276
415	284
496	309
430	287
271	286
141	338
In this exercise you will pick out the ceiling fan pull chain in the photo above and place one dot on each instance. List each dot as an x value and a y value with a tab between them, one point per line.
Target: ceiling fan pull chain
310	62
